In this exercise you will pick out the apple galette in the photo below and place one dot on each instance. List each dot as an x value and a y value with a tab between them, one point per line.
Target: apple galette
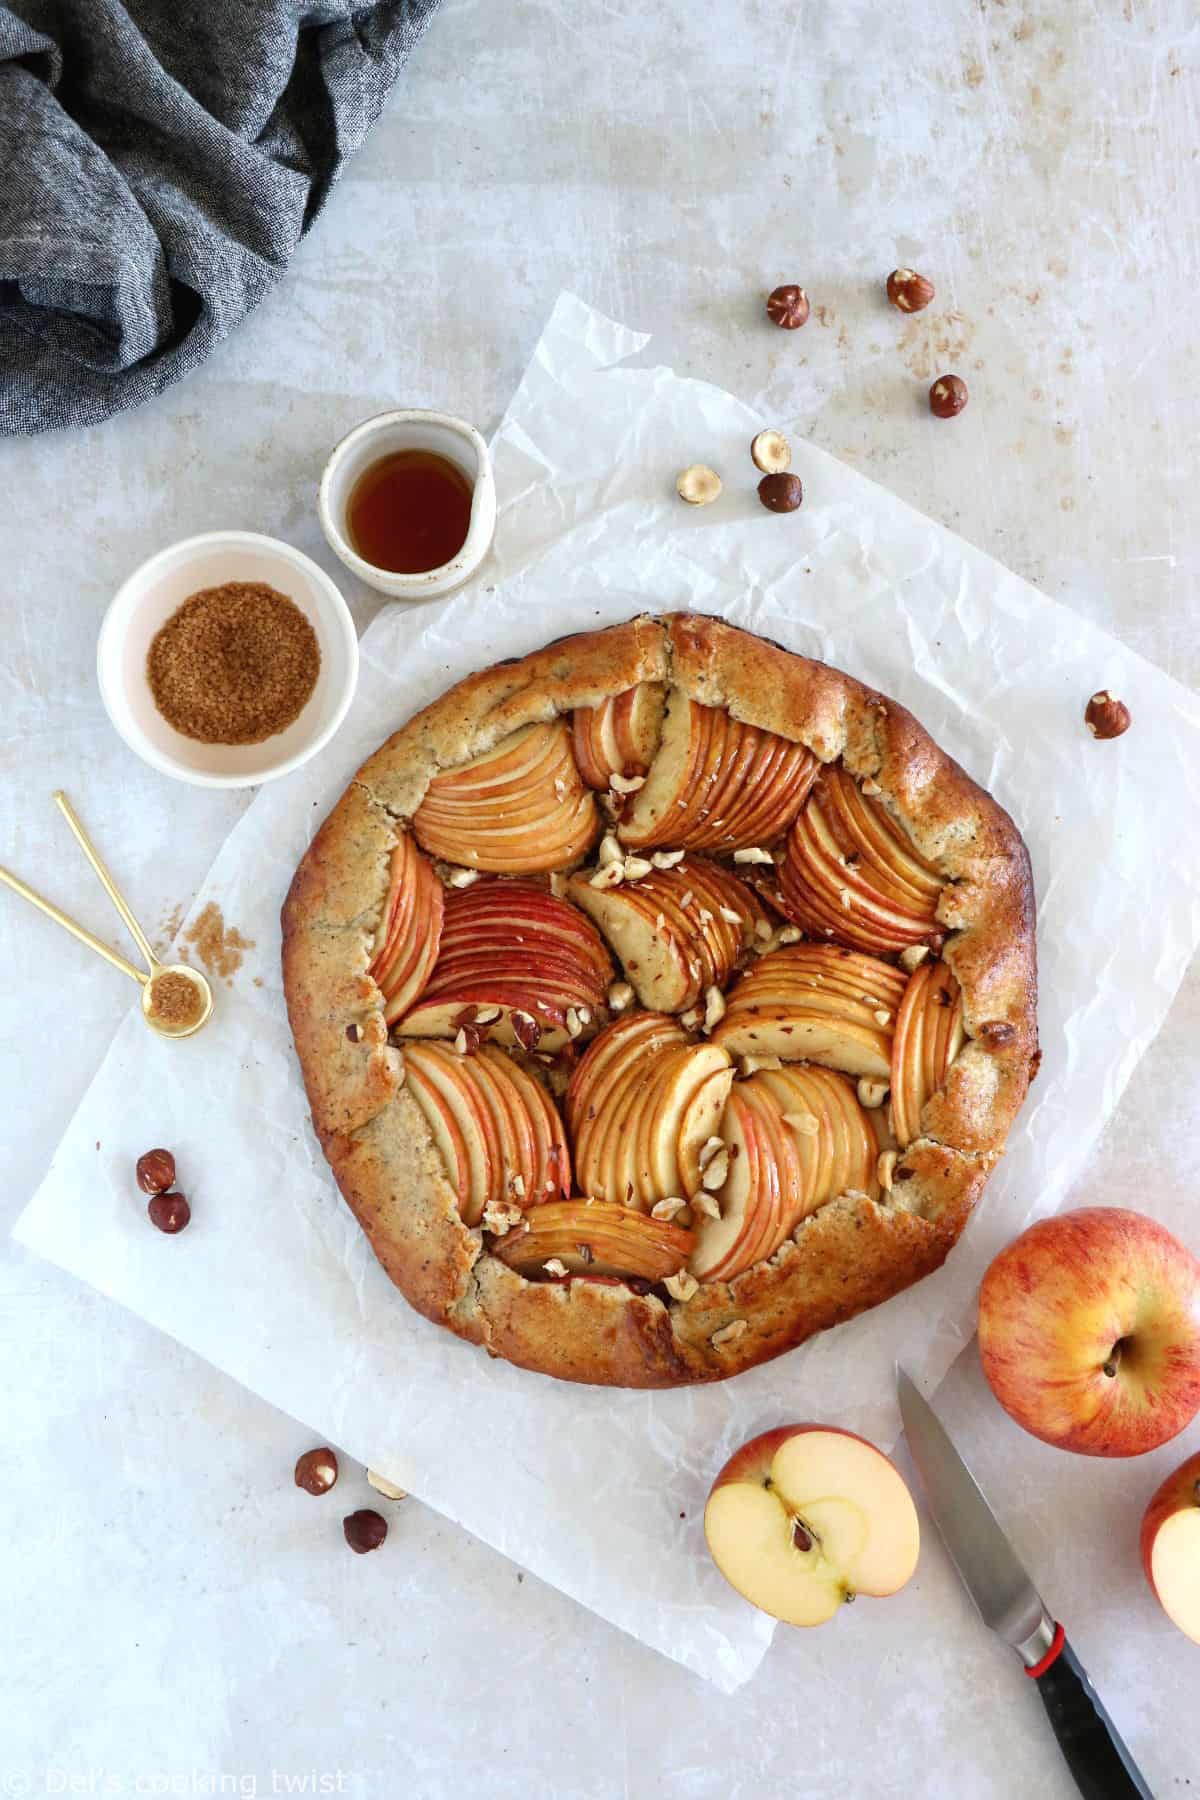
662	998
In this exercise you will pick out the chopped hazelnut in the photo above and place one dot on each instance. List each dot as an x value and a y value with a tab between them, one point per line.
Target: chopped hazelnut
771	452
386	1488
698	485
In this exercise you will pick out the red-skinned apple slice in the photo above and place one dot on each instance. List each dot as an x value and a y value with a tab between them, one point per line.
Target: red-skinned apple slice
410	929
518	808
1089	1331
1170	1547
701	1122
841	1155
806	1517
607	1086
929	1035
620	736
713	779
797	1138
497	1130
595	1237
458	1120
850	874
676	932
653	1162
818	1002
511	945
724	1245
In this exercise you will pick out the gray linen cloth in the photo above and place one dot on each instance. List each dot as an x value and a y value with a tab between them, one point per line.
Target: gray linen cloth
159	162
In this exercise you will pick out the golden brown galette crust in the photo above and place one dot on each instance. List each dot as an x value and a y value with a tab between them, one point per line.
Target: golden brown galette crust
849	1254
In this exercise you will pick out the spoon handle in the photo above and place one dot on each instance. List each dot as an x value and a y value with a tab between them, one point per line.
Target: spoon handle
68	924
110	886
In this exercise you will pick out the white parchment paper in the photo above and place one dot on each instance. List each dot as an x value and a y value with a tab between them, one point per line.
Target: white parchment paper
601	1493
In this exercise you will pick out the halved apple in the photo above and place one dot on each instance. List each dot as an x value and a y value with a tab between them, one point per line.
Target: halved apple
620	736
511	947
410	929
1170	1545
675	931
594	1237
808	1516
497	1130
929	1035
817	1002
852	875
519	808
717	783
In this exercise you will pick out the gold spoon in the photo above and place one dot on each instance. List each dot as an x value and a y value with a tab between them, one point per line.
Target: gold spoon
156	970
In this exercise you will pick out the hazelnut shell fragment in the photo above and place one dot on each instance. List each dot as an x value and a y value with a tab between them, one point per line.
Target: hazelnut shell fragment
780	493
787	306
698	485
155	1171
169	1212
947	396
771	452
1107	717
364	1530
909	291
316	1471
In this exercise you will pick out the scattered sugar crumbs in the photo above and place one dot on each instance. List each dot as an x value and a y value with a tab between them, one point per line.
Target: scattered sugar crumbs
220	947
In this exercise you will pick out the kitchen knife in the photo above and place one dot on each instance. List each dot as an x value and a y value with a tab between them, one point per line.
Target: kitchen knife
1011	1606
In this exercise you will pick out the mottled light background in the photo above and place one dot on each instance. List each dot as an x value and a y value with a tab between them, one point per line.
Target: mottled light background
172	1609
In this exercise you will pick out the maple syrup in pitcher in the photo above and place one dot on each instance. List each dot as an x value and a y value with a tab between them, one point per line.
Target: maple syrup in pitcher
409	512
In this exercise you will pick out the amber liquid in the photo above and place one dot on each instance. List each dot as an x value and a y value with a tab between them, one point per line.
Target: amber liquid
409	512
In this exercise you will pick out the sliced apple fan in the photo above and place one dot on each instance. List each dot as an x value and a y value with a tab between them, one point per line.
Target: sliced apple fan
683	1156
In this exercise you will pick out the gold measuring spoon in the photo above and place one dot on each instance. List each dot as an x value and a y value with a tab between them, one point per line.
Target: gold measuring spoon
153	1011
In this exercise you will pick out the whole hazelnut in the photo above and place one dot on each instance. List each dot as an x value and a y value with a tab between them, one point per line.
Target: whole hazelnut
698	485
169	1212
780	493
364	1530
908	290
771	452
947	396
1106	717
316	1471
787	306
155	1171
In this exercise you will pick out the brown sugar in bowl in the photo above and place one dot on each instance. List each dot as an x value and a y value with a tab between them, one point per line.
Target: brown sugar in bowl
156	591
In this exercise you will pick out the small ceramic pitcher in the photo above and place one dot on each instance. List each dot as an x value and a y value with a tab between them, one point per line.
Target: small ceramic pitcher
413	428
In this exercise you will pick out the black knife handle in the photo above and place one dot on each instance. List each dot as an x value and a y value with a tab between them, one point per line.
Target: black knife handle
1102	1766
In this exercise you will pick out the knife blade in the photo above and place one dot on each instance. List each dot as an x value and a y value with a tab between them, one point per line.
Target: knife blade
1010	1605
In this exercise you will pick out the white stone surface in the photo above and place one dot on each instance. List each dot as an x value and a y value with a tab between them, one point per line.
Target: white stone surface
173	1609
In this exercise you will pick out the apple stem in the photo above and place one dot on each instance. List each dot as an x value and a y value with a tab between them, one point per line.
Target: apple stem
1114	1359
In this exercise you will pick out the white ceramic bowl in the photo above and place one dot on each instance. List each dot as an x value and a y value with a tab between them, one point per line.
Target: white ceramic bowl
147	600
411	429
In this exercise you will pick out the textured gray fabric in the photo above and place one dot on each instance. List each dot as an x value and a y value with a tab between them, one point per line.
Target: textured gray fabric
159	162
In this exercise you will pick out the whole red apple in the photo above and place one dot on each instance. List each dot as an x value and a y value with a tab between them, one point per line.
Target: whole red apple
1171	1546
1089	1331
